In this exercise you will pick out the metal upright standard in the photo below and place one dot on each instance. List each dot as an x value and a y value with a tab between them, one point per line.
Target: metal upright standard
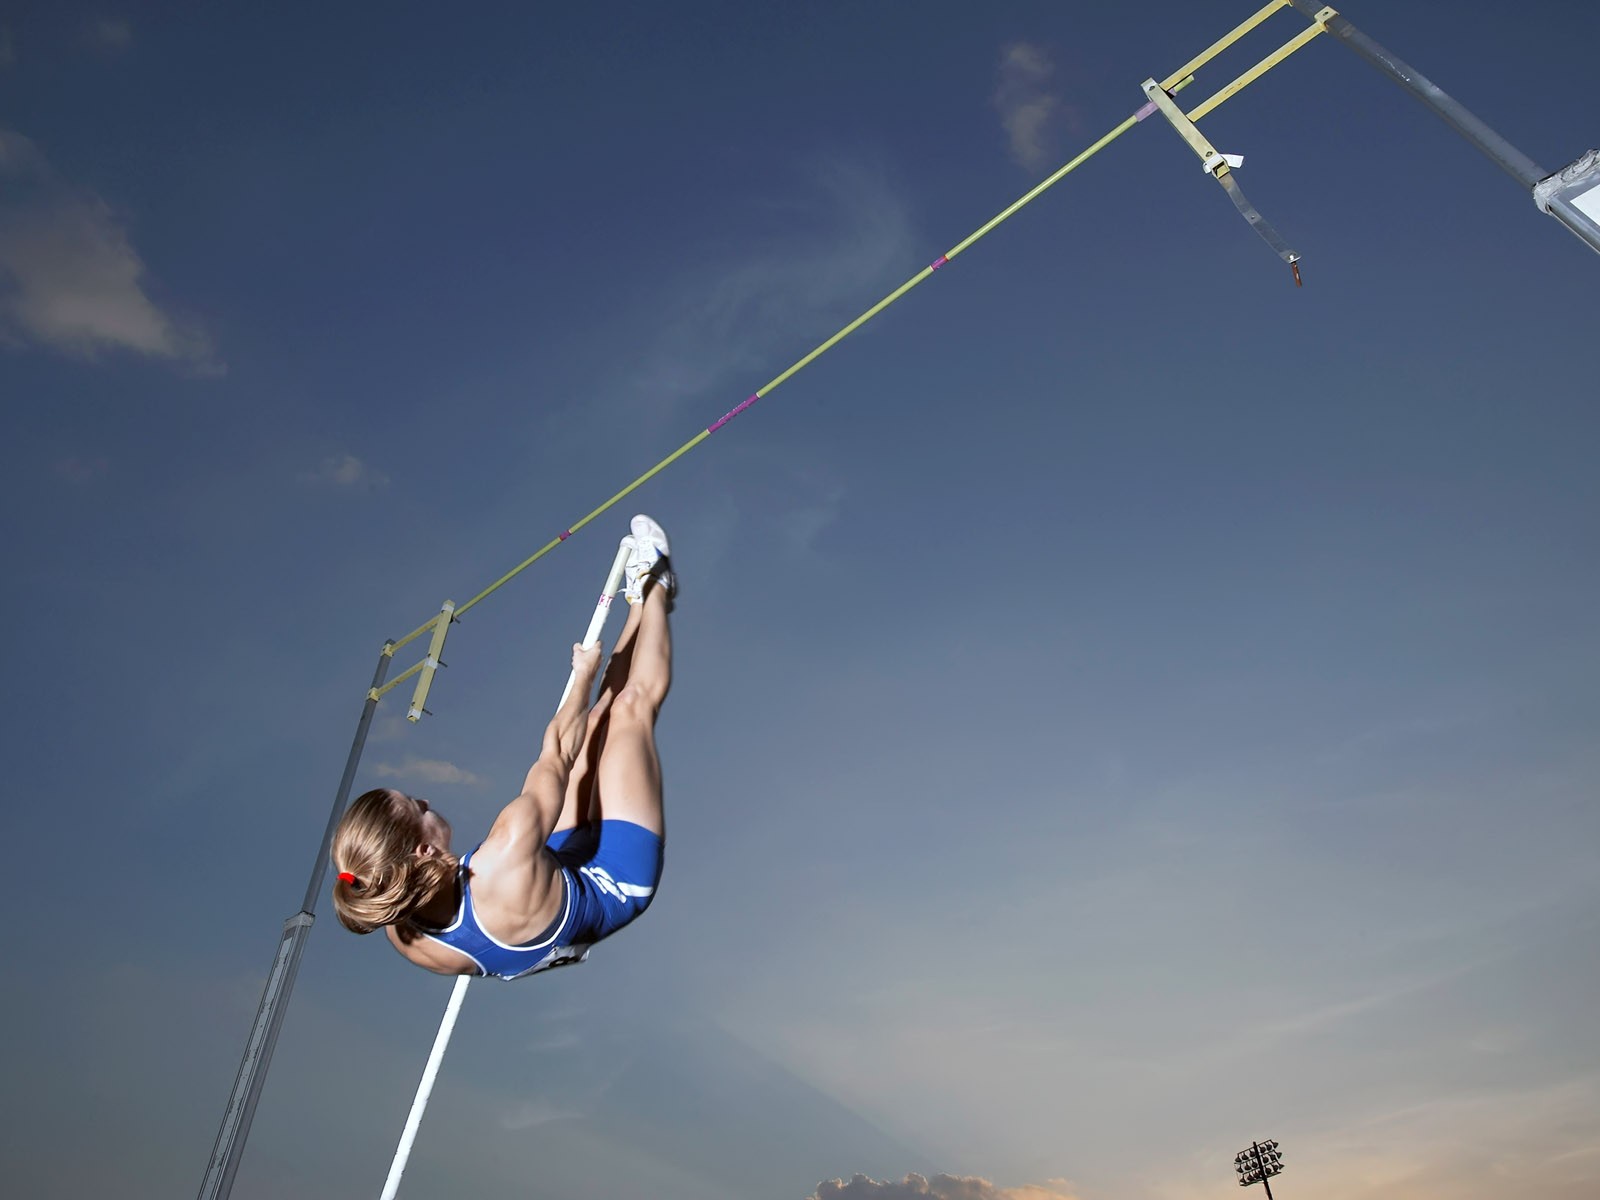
1258	1164
1571	195
241	1108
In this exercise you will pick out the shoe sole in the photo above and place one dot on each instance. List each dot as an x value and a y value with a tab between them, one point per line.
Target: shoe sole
646	531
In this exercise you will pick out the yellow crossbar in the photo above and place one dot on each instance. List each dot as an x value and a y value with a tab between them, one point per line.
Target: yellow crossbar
1257	71
1221	44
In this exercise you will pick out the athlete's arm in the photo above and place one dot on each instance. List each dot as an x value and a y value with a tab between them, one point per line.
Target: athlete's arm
533	814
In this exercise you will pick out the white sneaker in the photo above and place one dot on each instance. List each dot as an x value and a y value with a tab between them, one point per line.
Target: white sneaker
647	560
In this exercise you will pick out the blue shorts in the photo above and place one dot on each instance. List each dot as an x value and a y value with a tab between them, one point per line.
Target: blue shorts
612	870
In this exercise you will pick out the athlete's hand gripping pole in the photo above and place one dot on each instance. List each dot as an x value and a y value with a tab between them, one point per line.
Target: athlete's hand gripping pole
447	1023
602	609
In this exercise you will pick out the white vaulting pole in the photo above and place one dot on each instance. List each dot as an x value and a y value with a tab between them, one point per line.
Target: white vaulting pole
441	1041
602	609
447	1023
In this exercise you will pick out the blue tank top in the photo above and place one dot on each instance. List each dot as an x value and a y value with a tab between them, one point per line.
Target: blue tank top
500	959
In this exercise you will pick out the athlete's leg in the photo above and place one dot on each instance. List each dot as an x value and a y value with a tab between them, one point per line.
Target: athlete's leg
578	805
628	769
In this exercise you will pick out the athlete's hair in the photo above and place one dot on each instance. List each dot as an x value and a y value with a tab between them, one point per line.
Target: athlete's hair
376	843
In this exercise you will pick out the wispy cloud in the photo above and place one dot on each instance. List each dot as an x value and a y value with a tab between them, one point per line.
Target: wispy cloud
389	728
345	470
1469	1145
841	236
530	1114
939	1187
1313	1021
80	469
112	34
570	1101
427	770
1029	109
807	521
762	300
69	277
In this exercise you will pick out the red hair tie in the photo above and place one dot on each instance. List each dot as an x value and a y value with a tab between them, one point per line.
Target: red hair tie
346	877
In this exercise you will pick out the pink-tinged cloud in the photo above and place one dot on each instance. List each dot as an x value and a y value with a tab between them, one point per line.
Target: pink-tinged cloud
939	1187
79	470
1030	110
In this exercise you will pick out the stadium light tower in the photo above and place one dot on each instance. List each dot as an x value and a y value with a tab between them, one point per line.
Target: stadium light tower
1258	1164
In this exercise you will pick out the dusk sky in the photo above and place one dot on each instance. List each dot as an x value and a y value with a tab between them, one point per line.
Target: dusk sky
1126	705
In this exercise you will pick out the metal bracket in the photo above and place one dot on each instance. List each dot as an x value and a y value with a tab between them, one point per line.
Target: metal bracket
432	662
1577	180
1220	167
1186	128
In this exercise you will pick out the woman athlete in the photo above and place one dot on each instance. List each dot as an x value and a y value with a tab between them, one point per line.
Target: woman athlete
572	859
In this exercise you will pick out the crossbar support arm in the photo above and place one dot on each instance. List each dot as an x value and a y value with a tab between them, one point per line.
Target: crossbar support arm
1499	151
1502	153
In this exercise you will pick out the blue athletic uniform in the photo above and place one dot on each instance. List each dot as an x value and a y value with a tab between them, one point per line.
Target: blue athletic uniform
609	873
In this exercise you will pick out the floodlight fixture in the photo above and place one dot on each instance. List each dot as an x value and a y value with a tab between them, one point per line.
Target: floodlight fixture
1258	1164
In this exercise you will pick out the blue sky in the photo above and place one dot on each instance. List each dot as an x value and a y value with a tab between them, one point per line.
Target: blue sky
1126	706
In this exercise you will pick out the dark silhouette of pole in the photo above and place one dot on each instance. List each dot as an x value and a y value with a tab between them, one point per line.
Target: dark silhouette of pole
1257	1150
263	1039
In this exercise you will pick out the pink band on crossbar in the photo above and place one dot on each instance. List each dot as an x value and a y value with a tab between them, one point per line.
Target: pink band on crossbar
716	425
1146	111
938	262
561	537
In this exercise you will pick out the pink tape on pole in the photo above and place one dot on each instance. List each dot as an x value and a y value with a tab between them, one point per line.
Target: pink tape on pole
1147	111
561	537
718	424
938	262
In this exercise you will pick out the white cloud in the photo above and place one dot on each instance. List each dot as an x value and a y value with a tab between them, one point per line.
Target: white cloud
1028	110
427	770
940	1187
69	277
346	470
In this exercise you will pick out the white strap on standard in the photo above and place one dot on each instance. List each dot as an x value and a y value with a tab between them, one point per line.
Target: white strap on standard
1217	160
447	1024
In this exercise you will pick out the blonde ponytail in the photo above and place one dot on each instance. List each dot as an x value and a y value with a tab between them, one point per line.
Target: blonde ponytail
382	880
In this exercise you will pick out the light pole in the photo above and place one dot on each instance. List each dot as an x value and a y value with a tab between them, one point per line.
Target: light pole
1258	1164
